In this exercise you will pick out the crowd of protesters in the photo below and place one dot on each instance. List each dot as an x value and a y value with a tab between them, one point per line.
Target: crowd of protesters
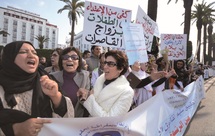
91	84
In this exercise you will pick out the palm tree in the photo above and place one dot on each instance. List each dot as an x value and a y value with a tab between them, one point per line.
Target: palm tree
4	33
213	44
210	40
208	19
41	39
74	7
196	16
201	16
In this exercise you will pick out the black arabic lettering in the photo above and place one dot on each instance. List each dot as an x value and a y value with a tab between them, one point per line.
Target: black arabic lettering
100	19
98	30
91	17
89	38
113	42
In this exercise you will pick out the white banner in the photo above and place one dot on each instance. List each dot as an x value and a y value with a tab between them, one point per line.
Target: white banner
102	25
165	114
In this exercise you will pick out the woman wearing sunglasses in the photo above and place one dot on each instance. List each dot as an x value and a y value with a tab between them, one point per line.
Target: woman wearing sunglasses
71	77
112	94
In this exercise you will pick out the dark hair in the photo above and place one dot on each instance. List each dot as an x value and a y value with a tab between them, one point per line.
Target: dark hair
121	60
158	62
58	50
67	50
175	66
85	53
93	47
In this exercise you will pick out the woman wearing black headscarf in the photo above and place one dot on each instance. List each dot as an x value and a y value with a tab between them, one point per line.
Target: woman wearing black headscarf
26	93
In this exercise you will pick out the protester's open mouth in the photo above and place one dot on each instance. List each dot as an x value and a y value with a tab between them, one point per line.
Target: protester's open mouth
69	65
31	62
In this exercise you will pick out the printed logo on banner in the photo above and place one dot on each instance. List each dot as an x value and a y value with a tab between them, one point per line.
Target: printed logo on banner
108	133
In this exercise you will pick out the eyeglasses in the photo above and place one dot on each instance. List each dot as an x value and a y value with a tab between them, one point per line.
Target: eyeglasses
73	57
110	63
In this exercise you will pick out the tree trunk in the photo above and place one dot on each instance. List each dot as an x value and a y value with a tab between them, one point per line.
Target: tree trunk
199	44
41	46
187	6
152	9
204	43
210	42
72	33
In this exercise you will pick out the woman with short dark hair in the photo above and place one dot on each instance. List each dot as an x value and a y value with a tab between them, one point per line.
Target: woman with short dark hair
112	94
71	77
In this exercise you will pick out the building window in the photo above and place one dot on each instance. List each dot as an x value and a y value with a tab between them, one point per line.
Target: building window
15	30
39	22
4	40
23	30
53	45
5	21
40	30
5	24
14	22
17	16
7	14
23	37
23	25
47	32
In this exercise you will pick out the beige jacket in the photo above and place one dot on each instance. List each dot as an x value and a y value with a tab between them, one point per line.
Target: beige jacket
82	80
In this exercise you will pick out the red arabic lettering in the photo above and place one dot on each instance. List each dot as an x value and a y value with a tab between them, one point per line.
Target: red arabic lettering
187	120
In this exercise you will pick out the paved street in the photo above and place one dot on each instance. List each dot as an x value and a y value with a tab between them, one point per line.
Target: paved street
203	122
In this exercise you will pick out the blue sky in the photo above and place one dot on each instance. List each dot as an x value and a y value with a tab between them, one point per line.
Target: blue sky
169	17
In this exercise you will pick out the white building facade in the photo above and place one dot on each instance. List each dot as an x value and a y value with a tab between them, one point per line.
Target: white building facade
78	43
25	25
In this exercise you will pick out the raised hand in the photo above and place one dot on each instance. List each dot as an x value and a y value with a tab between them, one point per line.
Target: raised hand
136	66
50	88
170	73
156	75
